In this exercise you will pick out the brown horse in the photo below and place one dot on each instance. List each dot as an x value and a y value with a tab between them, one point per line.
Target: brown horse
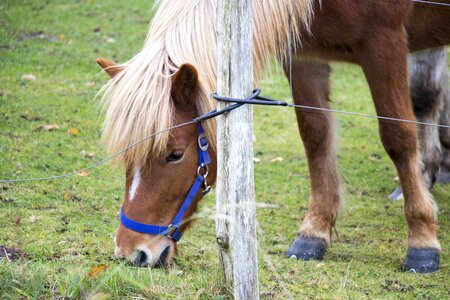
169	81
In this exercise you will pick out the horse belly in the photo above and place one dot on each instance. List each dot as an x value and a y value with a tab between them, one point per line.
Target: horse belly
340	27
429	26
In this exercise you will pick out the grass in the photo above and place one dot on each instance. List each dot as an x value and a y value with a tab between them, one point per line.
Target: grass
66	227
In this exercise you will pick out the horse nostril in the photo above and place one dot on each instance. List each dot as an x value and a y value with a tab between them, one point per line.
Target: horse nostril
141	259
162	261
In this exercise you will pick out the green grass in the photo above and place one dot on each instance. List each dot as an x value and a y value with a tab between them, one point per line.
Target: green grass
66	227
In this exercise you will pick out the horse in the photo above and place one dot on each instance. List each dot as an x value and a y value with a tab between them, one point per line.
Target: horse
169	81
430	95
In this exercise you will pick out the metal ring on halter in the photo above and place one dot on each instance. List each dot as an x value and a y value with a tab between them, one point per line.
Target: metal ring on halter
206	167
171	228
200	145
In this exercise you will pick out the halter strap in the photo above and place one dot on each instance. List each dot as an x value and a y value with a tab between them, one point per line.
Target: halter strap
172	231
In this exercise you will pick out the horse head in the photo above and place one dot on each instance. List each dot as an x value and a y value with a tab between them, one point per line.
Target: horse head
156	191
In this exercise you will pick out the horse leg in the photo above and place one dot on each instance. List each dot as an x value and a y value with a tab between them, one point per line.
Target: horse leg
428	92
383	57
444	133
311	87
426	71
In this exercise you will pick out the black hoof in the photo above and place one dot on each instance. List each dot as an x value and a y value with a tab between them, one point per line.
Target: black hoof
421	260
307	249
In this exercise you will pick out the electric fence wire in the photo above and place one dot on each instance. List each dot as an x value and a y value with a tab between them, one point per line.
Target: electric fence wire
99	162
432	3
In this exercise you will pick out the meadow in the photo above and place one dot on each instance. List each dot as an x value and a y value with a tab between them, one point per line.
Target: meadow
59	234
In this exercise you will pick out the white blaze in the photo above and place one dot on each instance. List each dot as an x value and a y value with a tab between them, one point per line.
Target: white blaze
135	184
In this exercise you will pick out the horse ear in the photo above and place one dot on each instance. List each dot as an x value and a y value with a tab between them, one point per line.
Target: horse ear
185	86
109	67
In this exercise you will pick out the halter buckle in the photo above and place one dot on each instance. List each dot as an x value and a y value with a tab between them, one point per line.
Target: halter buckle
203	142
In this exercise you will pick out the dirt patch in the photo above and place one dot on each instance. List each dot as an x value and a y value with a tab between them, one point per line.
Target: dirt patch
11	254
30	35
6	200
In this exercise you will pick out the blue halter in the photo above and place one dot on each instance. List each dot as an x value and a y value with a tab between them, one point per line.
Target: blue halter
172	231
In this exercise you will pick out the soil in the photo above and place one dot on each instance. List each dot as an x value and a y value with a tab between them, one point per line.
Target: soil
10	253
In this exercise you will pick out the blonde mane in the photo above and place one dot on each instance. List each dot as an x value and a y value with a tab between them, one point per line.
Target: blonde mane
138	100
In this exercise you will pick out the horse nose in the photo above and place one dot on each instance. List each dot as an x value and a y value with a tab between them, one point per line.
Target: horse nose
143	259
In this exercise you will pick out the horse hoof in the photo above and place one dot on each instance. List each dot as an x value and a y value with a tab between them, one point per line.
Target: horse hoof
307	249
421	260
397	194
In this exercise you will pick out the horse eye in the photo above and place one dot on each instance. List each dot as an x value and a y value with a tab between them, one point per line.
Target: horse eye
175	156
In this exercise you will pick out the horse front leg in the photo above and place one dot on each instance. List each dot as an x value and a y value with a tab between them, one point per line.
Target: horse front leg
383	56
310	84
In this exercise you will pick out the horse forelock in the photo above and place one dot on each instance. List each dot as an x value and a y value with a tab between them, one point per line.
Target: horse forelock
138	100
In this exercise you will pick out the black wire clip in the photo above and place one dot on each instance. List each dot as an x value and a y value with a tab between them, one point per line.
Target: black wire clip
254	99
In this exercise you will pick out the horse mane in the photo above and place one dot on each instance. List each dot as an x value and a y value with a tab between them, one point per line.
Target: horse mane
138	99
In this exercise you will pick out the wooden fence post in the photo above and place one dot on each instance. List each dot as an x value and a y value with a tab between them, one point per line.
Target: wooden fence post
236	212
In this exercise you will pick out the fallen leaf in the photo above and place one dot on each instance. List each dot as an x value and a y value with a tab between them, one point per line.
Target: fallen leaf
277	159
110	40
28	77
67	196
320	265
18	220
48	127
256	159
97	270
83	173
61	37
97	29
90	84
34	219
198	294
98	296
73	131
87	154
177	272
396	178
375	157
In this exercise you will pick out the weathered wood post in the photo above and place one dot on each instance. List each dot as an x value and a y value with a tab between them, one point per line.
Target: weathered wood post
236	221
